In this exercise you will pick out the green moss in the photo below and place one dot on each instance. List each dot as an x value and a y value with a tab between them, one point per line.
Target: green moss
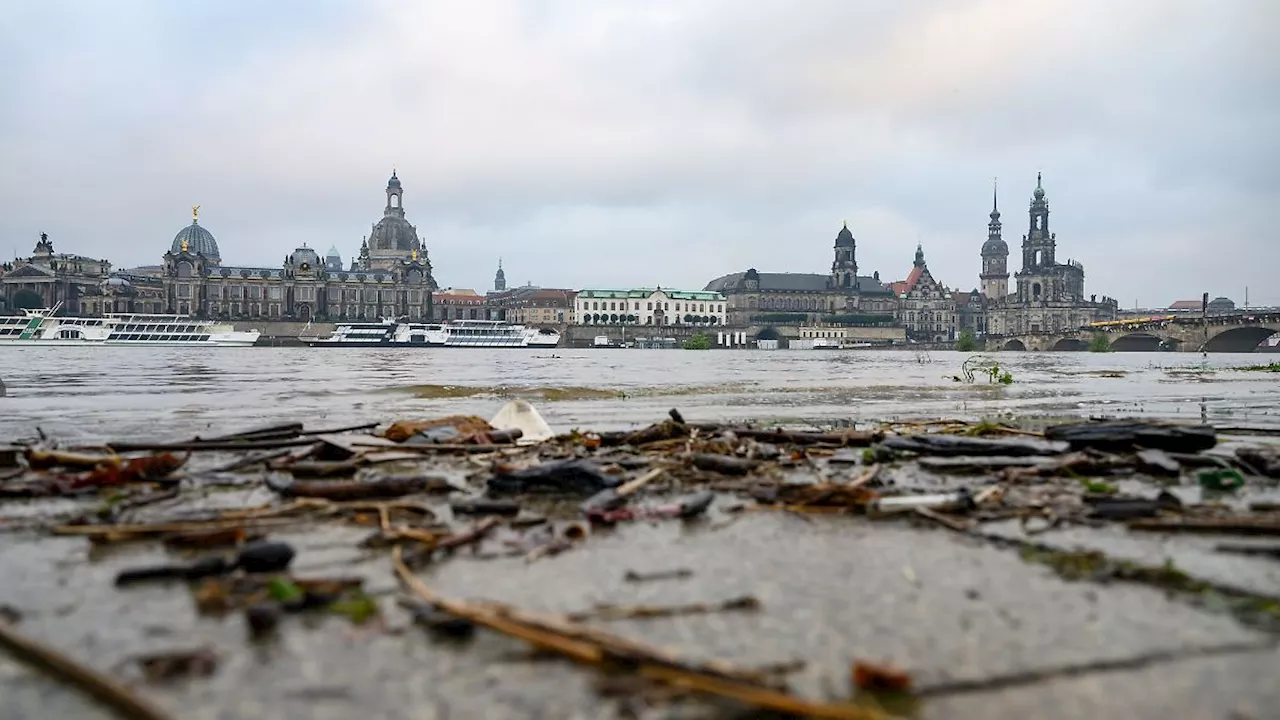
1259	611
358	608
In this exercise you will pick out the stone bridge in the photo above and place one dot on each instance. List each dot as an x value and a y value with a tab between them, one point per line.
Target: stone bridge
1238	332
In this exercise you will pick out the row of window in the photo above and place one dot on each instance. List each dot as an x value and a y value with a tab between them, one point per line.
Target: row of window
300	294
153	337
622	306
616	319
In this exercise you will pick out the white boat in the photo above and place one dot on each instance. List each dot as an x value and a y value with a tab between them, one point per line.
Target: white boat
456	333
43	328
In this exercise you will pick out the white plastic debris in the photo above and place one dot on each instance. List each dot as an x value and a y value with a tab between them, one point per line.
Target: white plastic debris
520	415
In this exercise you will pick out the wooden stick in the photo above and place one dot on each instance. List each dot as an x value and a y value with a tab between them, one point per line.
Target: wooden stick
124	701
630	488
595	647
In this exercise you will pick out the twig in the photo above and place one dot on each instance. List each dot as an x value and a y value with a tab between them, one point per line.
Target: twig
594	647
630	488
209	446
251	461
944	520
124	701
864	478
633	612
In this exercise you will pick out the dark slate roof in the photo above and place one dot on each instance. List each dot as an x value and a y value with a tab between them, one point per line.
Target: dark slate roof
775	282
792	282
870	286
198	240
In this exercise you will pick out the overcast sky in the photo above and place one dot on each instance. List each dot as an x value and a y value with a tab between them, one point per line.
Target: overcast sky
606	143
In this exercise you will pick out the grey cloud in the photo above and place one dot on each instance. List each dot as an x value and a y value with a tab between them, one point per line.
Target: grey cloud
616	143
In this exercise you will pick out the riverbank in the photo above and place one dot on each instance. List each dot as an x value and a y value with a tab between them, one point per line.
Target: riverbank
810	552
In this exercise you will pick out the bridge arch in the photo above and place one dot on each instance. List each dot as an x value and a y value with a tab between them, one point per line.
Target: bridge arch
1138	342
1014	344
1070	345
769	333
1240	339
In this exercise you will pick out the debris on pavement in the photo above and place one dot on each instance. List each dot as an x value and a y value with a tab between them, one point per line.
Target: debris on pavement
462	489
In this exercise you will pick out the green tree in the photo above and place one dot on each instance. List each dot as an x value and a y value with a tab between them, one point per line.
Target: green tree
697	342
967	342
1099	343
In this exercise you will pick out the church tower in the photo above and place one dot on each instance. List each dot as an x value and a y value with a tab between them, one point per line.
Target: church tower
844	269
395	197
500	279
1038	244
1036	279
994	278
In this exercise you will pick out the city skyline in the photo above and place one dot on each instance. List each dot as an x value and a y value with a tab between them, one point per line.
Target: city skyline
591	145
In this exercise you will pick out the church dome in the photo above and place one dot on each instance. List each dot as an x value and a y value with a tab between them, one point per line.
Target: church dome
394	182
393	233
844	238
995	246
304	256
333	252
198	240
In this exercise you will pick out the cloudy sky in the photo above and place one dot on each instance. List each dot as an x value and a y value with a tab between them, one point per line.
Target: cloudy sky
610	143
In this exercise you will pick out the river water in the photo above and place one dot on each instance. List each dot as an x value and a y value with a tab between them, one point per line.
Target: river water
88	394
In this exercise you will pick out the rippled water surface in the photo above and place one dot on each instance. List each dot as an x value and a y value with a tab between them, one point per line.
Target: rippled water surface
95	393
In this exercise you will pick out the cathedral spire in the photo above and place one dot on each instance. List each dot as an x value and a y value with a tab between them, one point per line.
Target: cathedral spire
500	279
919	262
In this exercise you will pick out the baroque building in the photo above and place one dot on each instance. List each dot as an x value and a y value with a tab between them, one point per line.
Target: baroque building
391	278
533	305
1049	296
927	309
649	306
752	296
47	278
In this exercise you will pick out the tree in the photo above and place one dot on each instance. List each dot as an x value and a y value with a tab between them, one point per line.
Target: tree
688	317
697	342
1099	343
967	342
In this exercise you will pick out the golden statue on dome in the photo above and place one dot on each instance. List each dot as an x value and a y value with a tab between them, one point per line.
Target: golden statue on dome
414	255
185	245
195	213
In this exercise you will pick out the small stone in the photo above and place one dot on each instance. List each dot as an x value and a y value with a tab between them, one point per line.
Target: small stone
262	618
265	557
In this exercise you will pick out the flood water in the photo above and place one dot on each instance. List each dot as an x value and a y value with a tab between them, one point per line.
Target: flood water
98	393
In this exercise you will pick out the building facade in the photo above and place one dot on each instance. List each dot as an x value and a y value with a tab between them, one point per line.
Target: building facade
649	306
47	278
1049	296
459	304
533	305
753	297
391	277
926	308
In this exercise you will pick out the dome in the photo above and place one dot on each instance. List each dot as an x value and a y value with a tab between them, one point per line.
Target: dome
394	182
116	282
333	252
995	246
198	241
844	238
393	233
304	256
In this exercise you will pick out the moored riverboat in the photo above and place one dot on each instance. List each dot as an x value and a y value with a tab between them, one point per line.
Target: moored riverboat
43	327
457	333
